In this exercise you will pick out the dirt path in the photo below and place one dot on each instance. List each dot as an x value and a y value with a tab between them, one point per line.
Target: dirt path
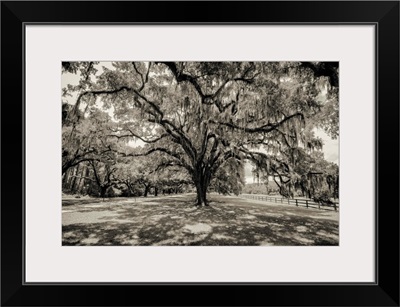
174	220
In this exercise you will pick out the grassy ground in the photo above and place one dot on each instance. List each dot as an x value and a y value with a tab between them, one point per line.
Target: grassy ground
175	221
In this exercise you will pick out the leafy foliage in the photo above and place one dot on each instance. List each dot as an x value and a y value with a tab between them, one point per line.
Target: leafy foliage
205	119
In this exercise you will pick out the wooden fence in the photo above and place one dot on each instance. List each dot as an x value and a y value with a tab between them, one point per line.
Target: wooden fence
290	201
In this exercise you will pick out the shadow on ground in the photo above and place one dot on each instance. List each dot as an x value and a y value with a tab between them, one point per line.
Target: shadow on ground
175	221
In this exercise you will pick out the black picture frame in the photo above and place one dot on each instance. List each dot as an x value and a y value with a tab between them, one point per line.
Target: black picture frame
383	14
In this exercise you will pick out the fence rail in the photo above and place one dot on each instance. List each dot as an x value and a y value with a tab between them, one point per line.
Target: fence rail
296	202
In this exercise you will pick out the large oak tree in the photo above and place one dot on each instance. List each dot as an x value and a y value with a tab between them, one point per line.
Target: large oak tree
204	117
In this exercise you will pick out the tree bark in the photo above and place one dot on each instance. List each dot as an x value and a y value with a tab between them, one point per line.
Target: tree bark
201	190
146	191
201	198
103	190
128	187
73	188
81	181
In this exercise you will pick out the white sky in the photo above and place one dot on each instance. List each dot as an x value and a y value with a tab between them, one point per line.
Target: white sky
330	148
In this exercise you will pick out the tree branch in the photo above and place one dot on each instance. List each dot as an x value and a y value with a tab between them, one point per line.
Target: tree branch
132	134
159	149
102	92
206	98
144	79
262	129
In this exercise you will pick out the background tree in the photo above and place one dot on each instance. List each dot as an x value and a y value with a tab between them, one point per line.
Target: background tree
86	70
85	140
103	174
229	178
126	177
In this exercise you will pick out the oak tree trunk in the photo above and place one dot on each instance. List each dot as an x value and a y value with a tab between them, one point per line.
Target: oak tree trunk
103	190
146	191
201	190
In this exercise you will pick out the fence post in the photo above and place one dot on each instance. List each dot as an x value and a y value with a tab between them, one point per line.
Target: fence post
319	205
296	203
307	203
288	201
281	200
275	199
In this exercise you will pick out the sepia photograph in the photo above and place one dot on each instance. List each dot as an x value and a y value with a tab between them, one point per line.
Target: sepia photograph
200	150
200	153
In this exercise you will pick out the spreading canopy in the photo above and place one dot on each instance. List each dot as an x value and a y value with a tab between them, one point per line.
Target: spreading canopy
206	117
